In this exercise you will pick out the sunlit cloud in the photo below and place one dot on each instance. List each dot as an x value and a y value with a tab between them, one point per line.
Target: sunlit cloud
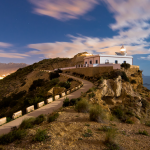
12	55
5	45
131	23
63	9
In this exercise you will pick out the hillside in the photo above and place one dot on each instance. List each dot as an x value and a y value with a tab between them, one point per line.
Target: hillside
89	122
15	89
114	114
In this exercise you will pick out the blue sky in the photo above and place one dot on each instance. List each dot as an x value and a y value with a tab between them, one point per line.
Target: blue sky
32	30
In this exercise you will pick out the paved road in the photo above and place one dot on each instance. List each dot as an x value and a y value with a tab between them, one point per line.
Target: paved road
49	108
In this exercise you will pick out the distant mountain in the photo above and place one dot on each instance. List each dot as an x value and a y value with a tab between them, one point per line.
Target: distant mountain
10	67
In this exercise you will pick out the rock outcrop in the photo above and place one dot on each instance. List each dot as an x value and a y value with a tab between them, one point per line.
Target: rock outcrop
114	91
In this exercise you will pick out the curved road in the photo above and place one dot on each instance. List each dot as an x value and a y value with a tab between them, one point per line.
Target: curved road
47	109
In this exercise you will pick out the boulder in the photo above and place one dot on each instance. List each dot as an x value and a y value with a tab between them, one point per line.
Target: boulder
106	89
135	120
56	90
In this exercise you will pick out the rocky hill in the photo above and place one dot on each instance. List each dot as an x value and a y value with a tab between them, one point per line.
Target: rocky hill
114	114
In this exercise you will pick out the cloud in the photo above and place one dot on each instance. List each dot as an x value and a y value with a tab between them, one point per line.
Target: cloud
129	13
131	24
5	45
63	9
12	55
145	58
83	43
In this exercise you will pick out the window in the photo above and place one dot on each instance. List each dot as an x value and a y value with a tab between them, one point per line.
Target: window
116	61
86	62
124	62
96	61
90	61
106	61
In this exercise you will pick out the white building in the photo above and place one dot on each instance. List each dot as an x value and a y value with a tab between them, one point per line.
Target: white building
109	60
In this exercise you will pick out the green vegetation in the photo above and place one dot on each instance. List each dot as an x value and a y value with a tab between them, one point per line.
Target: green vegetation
97	113
53	75
147	123
129	121
124	76
91	95
144	132
133	82
125	65
40	135
145	104
41	118
53	117
65	84
36	83
91	90
88	133
12	136
66	102
27	123
82	106
111	135
70	79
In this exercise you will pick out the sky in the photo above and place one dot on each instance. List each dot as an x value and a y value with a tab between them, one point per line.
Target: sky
33	30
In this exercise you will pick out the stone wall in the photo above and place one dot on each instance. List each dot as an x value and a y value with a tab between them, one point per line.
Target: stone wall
91	71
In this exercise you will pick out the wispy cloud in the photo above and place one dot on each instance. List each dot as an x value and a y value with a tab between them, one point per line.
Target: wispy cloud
145	58
5	45
12	55
63	9
131	23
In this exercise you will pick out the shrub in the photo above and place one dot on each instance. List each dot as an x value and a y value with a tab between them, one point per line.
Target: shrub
41	118
53	117
100	81
70	79
144	132
82	106
58	71
97	113
91	95
9	119
145	104
129	121
124	76
66	102
118	112
110	139
133	82
27	123
33	101
40	135
54	81
36	83
104	128
147	123
53	75
65	84
88	133
125	65
73	101
12	136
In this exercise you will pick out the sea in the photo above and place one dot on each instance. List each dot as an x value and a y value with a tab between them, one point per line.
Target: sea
146	81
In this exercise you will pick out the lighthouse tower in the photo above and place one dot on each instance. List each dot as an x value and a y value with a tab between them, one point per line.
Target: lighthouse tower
123	51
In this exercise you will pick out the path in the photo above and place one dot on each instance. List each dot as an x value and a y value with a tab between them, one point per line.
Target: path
49	108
